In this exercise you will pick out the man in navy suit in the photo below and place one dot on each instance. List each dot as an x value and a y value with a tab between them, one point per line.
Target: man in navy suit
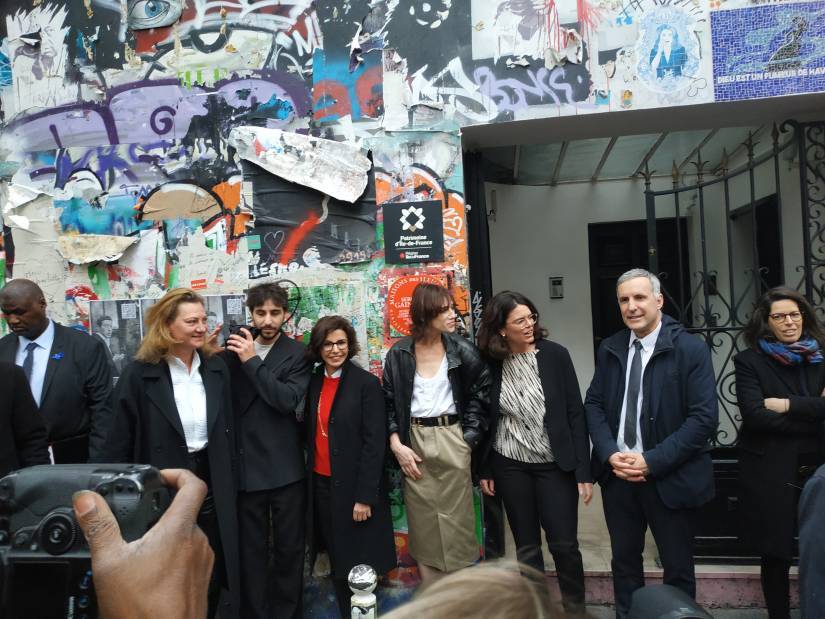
67	370
651	412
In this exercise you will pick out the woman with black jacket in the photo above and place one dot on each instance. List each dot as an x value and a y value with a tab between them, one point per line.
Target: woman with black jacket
537	455
173	410
436	392
349	509
779	386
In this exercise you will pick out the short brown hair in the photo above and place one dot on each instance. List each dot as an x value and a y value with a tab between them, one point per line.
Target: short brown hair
428	301
323	327
158	342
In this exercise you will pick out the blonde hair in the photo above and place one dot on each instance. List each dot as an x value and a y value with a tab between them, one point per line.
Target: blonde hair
158	341
491	590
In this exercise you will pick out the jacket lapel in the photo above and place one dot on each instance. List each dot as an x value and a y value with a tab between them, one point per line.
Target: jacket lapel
56	355
8	348
212	386
545	366
341	387
158	385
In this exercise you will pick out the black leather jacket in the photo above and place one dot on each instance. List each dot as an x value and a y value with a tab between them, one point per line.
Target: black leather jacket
469	380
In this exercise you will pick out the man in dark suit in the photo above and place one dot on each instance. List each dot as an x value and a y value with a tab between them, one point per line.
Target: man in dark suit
105	333
67	370
270	375
651	412
22	431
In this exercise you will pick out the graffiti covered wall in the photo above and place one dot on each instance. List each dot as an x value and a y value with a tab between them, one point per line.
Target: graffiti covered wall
148	144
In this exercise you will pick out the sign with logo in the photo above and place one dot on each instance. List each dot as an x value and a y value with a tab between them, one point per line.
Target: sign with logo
413	232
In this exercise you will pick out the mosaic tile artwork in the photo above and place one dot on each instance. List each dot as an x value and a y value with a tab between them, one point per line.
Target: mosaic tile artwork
768	51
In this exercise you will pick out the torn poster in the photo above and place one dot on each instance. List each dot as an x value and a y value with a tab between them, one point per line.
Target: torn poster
36	256
294	224
141	270
86	248
334	168
571	50
14	195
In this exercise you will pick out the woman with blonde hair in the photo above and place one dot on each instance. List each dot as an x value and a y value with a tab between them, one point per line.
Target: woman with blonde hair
173	410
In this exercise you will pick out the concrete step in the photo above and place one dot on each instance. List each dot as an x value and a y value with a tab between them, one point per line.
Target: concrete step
717	586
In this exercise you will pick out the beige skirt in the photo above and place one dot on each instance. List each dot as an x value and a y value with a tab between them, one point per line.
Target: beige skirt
440	513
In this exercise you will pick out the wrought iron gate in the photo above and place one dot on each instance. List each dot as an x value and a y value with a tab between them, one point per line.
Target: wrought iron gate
743	239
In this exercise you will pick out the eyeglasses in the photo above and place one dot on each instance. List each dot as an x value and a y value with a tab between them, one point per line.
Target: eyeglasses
340	345
524	320
781	316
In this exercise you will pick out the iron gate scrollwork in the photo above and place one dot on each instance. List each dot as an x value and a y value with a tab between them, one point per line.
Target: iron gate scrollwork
728	267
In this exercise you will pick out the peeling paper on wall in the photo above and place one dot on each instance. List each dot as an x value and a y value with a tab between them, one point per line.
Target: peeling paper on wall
397	96
14	195
86	248
36	256
572	50
335	168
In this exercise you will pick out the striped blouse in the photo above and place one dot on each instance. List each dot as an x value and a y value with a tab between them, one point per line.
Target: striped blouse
521	434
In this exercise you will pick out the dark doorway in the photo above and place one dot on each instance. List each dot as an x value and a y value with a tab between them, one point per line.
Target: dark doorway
617	247
767	238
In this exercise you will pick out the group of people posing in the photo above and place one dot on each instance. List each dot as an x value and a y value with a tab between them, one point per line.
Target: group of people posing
293	441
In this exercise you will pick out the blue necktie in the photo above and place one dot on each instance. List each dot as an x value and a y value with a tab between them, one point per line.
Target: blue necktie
633	386
28	362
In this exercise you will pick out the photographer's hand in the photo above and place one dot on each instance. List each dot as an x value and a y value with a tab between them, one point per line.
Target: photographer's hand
163	574
242	345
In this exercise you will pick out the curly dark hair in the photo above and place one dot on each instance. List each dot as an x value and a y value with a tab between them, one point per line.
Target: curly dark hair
428	301
758	329
260	294
320	331
493	319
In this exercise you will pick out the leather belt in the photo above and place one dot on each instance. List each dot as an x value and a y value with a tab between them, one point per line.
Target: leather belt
442	420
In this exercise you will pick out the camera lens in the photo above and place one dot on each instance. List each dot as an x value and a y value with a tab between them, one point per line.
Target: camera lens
57	533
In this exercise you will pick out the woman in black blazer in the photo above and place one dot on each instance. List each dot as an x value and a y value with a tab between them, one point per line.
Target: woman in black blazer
173	410
779	386
23	438
537	455
349	509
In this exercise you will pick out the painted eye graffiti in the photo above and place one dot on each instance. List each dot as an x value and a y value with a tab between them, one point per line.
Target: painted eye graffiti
144	14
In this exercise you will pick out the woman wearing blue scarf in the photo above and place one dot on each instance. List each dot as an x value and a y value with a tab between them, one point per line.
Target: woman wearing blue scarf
779	386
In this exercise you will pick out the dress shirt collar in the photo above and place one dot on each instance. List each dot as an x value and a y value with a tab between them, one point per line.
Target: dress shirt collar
336	374
176	364
45	340
648	341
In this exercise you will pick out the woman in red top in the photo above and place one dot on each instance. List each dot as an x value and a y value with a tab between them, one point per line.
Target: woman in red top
349	506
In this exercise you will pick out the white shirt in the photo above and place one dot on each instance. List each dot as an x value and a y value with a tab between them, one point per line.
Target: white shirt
648	344
190	399
262	350
433	397
41	359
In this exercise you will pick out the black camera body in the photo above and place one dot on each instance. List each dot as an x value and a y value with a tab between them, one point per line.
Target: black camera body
236	330
45	565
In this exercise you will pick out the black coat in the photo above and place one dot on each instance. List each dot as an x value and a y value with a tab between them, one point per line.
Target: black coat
76	403
146	429
679	413
22	430
469	380
357	446
770	445
564	413
267	395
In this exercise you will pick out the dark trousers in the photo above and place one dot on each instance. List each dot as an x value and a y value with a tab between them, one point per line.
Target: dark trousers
776	587
322	503
629	508
272	524
542	496
208	523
